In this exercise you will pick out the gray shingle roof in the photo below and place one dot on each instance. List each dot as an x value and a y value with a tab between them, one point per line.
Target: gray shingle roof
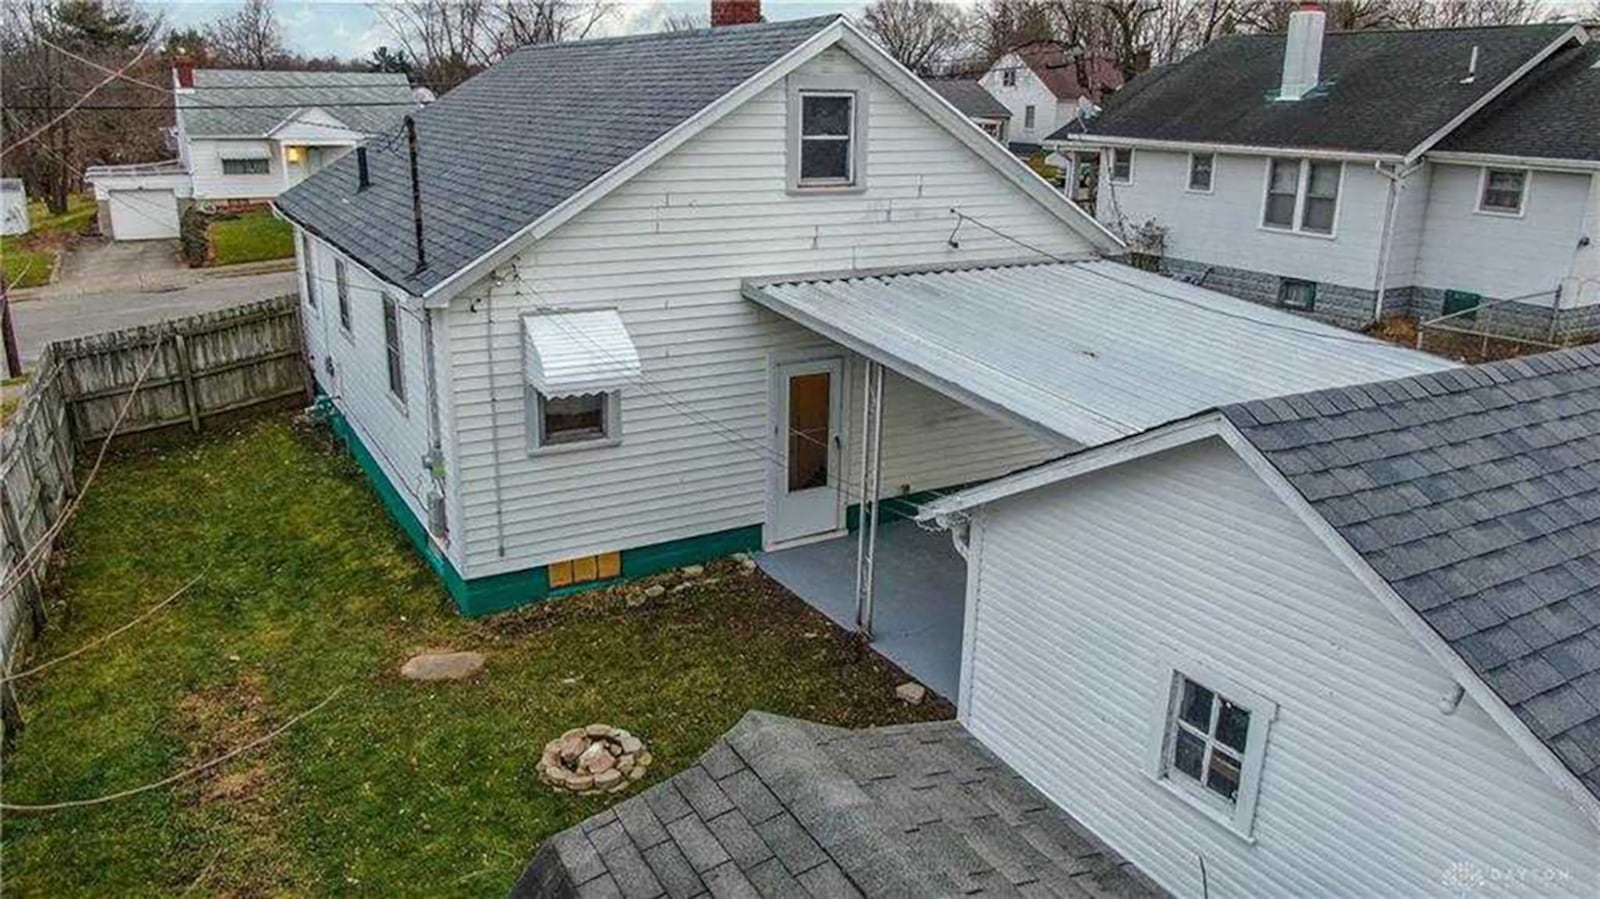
1382	91
1553	114
1475	493
970	97
509	145
247	103
781	807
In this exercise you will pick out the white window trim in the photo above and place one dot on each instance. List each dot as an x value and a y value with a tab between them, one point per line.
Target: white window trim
1239	819
1483	185
1188	175
1111	165
858	87
533	408
1299	199
386	299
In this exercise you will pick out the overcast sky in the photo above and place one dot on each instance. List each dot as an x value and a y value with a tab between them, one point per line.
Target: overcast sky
347	28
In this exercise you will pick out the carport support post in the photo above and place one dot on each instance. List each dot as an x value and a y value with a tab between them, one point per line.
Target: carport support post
871	472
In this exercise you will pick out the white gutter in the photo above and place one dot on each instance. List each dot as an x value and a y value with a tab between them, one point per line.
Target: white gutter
1111	140
1573	166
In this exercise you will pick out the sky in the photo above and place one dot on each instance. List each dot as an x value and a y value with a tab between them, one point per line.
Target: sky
347	28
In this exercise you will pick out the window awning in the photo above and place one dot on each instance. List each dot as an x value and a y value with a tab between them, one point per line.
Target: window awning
244	150
574	353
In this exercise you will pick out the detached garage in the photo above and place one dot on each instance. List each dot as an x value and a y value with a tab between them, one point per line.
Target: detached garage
140	202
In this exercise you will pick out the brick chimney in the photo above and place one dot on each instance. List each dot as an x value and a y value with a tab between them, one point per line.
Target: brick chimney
1302	51
183	72
735	12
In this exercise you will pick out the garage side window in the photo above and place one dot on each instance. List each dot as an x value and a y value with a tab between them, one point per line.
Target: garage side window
310	265
1210	744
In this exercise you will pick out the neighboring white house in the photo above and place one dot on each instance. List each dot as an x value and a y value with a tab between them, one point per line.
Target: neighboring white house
246	136
13	206
585	369
1344	643
976	104
1042	83
1372	173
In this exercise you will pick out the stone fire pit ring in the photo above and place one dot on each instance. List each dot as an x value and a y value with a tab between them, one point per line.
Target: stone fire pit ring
594	759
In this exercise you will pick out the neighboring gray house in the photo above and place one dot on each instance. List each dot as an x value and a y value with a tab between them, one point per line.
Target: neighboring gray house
1336	643
243	136
1360	174
975	103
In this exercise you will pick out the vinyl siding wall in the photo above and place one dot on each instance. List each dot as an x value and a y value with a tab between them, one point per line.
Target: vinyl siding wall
1088	592
396	433
1029	90
1409	220
669	250
1224	226
205	165
1501	256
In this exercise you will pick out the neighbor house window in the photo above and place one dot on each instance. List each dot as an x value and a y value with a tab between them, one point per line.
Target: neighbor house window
1302	195
1200	172
1503	191
1294	293
1029	115
391	346
825	135
244	167
1122	165
1211	740
574	420
341	283
1008	77
306	259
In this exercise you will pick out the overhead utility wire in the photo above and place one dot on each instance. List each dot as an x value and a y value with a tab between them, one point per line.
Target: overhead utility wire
75	106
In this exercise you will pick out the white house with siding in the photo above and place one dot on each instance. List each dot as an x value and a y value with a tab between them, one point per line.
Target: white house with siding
587	368
1362	174
245	136
1344	643
1042	83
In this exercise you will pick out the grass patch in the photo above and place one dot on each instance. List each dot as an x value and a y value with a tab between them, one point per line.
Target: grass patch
251	237
396	787
28	259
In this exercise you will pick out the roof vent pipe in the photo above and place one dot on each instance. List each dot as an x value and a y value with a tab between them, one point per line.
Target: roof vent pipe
1302	51
1472	66
362	180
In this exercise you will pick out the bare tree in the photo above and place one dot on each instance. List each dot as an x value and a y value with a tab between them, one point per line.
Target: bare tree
524	22
250	37
450	40
922	34
682	21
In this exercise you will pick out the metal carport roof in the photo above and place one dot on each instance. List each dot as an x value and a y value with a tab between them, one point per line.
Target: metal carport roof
1088	351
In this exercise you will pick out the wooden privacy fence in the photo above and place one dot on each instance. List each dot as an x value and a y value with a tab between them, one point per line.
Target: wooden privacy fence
179	374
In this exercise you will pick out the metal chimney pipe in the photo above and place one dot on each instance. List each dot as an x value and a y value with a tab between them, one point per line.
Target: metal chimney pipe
362	179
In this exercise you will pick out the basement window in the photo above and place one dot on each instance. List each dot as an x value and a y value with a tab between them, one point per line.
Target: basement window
1210	746
1122	165
1293	293
827	133
1501	191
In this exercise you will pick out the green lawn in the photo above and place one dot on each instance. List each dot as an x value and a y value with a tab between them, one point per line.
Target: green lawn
252	237
396	788
28	258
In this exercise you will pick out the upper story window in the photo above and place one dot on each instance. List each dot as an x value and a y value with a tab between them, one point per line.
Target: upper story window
392	347
1122	165
245	167
1503	191
309	262
1008	77
1029	114
1302	195
1200	168
341	283
1211	744
827	125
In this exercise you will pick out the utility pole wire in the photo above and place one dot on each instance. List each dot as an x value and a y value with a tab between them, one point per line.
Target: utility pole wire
80	101
181	775
107	636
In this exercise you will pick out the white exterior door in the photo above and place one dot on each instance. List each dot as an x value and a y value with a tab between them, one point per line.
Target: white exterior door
805	495
143	214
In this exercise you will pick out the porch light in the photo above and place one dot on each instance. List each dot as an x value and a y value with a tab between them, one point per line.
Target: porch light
295	154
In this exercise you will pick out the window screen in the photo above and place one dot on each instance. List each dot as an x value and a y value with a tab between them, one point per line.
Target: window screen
1283	185
1200	171
391	344
572	419
1322	197
1503	190
826	124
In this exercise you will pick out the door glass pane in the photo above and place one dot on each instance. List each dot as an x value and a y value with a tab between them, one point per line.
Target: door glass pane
809	410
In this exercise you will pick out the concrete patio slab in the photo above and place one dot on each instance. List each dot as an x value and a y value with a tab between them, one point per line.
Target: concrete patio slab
920	602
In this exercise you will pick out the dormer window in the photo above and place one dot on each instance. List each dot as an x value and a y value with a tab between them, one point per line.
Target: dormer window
827	125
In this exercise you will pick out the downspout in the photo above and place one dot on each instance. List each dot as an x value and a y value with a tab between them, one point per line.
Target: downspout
433	461
1391	209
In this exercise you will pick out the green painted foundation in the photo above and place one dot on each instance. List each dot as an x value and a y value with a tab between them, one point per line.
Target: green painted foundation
500	592
497	593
